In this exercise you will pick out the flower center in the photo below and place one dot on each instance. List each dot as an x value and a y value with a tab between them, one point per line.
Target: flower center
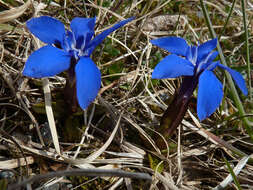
70	45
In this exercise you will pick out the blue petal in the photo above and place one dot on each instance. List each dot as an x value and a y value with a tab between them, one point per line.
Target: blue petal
88	81
209	94
173	66
99	38
194	53
205	48
83	29
212	65
188	53
212	56
46	61
237	78
174	45
47	29
207	63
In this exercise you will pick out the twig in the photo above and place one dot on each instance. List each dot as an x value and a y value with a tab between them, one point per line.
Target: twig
83	172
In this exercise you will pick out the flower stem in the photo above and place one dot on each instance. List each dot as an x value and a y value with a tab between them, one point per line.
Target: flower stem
70	90
176	110
235	95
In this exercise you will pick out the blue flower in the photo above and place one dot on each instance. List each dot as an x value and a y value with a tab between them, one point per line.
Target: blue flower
67	49
198	63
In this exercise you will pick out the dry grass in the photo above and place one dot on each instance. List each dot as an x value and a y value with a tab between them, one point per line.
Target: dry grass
118	131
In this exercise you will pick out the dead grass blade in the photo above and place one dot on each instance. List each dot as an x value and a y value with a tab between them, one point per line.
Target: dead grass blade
236	170
100	8
15	163
116	184
13	13
168	184
96	154
50	115
215	139
39	152
142	132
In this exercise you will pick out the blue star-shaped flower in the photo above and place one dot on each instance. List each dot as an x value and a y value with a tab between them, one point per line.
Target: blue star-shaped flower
65	48
197	62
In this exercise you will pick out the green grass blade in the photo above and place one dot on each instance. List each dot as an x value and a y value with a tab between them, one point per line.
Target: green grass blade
228	17
247	45
235	95
233	175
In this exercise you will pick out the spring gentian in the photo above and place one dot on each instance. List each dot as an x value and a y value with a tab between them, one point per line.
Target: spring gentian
196	65
68	50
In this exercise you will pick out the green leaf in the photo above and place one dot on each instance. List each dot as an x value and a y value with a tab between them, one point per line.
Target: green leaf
155	164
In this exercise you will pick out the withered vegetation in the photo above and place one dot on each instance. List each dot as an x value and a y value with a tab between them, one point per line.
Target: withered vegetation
114	140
